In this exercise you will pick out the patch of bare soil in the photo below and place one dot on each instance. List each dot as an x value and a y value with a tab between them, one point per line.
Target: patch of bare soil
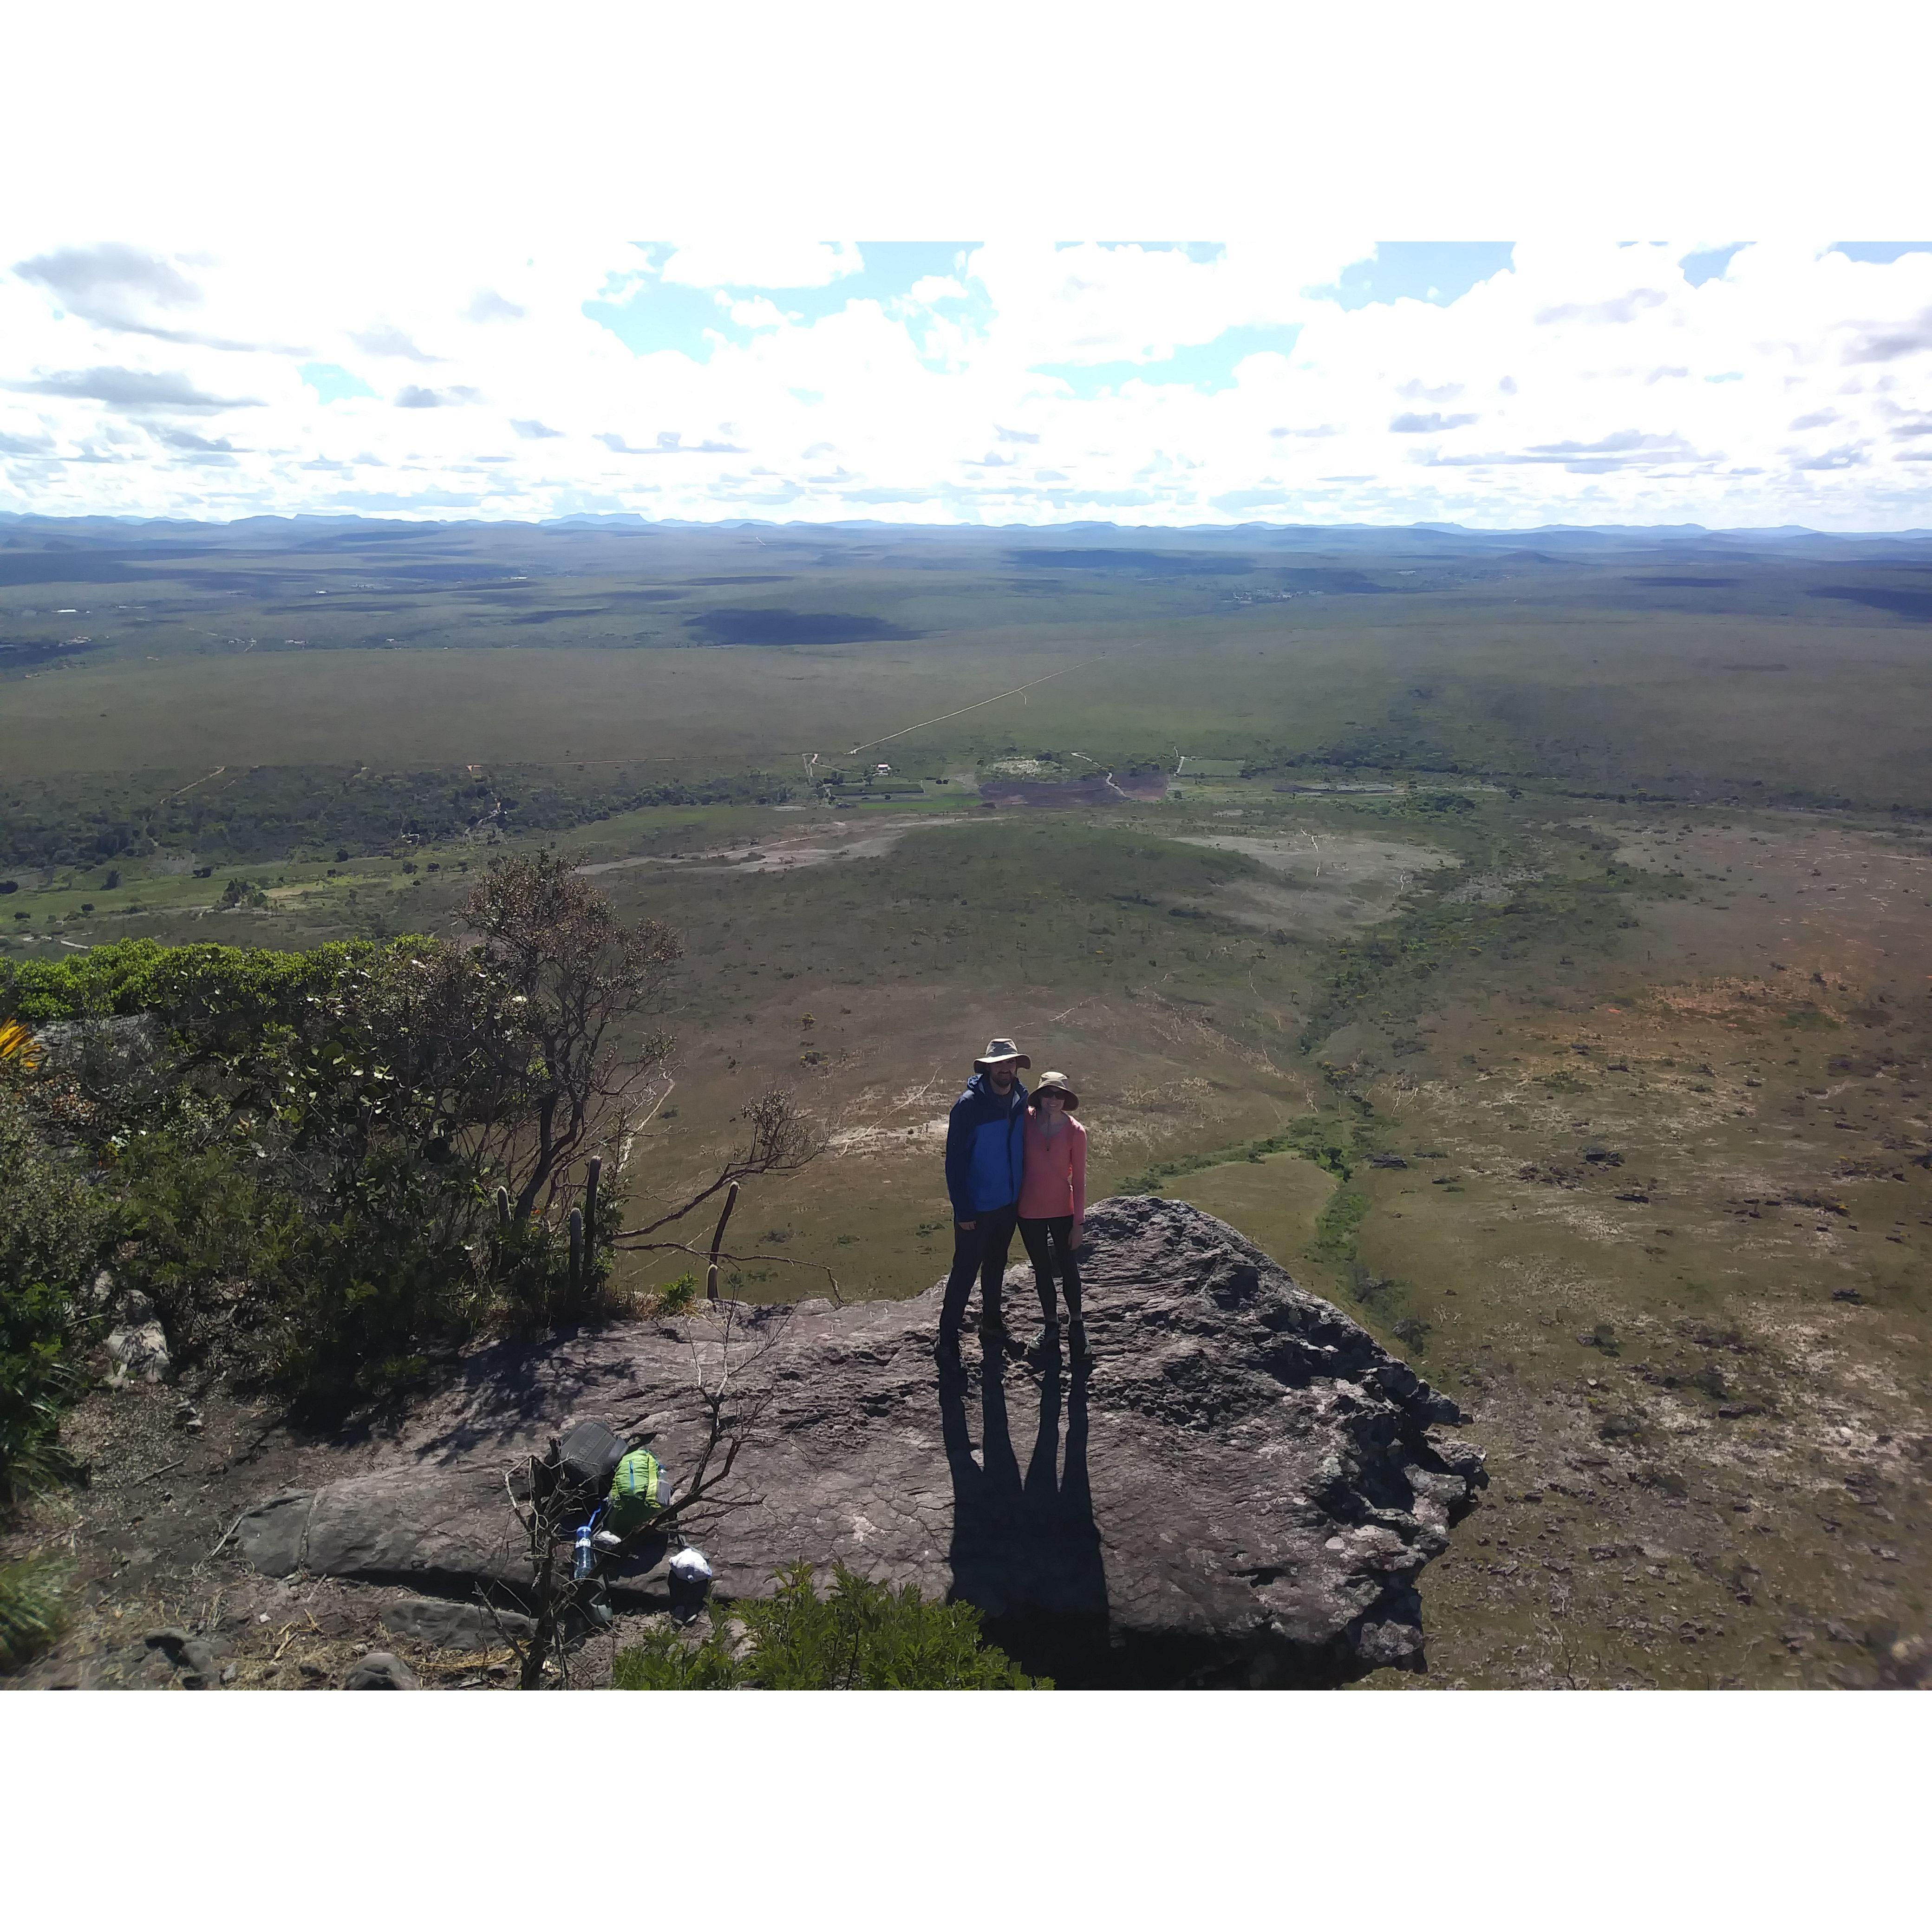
820	845
1101	788
1330	880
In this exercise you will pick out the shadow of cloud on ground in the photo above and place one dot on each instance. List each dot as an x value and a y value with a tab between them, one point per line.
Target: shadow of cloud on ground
1914	604
795	627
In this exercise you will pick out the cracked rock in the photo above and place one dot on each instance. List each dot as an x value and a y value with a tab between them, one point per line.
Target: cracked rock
1244	1488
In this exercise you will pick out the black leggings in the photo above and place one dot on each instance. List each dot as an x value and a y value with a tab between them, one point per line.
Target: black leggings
1046	1242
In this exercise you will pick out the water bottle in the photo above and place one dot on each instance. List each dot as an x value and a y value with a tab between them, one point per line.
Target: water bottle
585	1560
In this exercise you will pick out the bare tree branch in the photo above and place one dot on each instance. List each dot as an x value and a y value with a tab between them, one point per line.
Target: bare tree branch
733	1384
779	1140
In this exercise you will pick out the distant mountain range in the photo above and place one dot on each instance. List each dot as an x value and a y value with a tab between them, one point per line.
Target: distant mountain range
1348	535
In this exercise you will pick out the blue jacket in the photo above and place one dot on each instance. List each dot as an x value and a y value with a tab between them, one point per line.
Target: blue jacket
985	1149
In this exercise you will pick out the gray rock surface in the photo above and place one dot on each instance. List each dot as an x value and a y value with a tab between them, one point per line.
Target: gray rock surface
380	1671
436	1623
198	1659
1243	1488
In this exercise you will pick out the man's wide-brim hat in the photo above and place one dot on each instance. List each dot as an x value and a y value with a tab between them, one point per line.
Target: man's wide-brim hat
998	1050
1056	1083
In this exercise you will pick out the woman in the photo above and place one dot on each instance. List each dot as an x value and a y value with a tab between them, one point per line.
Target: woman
1053	1204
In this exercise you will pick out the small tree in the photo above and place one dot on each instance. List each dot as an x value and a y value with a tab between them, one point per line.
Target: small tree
579	984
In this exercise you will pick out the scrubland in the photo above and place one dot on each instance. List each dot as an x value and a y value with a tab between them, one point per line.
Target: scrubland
1538	967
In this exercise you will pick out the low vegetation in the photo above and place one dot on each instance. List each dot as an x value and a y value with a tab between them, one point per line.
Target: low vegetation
857	1636
1581	1051
33	1609
319	1168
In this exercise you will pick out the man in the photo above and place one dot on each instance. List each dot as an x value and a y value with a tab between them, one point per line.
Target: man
986	1157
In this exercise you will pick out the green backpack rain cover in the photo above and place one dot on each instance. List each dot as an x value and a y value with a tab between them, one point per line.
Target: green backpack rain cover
638	1491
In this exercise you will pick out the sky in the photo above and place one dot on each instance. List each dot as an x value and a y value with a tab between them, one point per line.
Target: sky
459	260
1488	383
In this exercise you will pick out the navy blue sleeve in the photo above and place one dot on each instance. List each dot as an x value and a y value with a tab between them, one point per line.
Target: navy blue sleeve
959	1159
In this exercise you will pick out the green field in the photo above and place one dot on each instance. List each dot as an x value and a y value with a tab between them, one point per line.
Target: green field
1531	953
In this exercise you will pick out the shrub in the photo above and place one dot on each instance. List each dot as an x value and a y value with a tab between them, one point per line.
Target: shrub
33	1610
860	1636
664	1661
51	1224
675	1297
328	1299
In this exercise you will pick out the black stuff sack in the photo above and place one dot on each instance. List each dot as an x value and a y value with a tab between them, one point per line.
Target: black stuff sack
589	1458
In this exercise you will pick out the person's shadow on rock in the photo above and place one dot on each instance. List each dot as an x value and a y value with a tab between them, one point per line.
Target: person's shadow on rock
1026	1552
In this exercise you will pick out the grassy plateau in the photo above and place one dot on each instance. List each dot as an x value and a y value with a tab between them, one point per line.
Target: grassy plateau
1524	938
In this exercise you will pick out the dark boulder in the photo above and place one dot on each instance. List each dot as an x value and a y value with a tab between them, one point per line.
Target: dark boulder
197	1659
380	1671
1244	1487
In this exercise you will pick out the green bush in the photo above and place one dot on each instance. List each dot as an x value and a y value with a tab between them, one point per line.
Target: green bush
51	1224
860	1636
675	1297
664	1661
33	1611
304	1151
328	1301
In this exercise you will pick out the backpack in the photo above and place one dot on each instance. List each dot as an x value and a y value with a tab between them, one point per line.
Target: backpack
591	1454
638	1490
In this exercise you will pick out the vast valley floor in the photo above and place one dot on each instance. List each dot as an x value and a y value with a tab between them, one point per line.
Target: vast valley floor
1534	966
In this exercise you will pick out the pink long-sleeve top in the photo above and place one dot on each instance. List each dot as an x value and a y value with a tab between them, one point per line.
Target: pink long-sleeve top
1055	1181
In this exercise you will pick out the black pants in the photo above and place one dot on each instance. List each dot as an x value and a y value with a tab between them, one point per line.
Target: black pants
980	1249
1047	1242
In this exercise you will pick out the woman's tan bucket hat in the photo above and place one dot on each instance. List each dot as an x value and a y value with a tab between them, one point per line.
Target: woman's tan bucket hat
1056	1083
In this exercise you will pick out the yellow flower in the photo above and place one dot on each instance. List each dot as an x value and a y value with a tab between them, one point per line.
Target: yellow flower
16	1043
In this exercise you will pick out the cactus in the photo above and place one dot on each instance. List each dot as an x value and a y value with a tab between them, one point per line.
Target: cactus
593	1174
502	1208
717	1242
576	1251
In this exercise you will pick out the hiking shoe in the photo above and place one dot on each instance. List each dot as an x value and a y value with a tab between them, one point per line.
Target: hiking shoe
947	1349
1044	1347
1076	1335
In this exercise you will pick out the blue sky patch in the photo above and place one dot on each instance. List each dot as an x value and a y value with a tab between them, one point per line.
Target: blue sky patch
332	382
1883	253
648	315
1706	265
1206	366
1440	272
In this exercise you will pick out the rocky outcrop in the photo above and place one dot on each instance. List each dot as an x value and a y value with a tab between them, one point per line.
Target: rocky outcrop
1242	1487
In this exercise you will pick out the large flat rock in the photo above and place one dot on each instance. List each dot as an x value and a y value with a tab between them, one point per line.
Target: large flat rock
1243	1488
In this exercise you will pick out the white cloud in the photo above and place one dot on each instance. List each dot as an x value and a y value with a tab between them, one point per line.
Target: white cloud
160	373
761	264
